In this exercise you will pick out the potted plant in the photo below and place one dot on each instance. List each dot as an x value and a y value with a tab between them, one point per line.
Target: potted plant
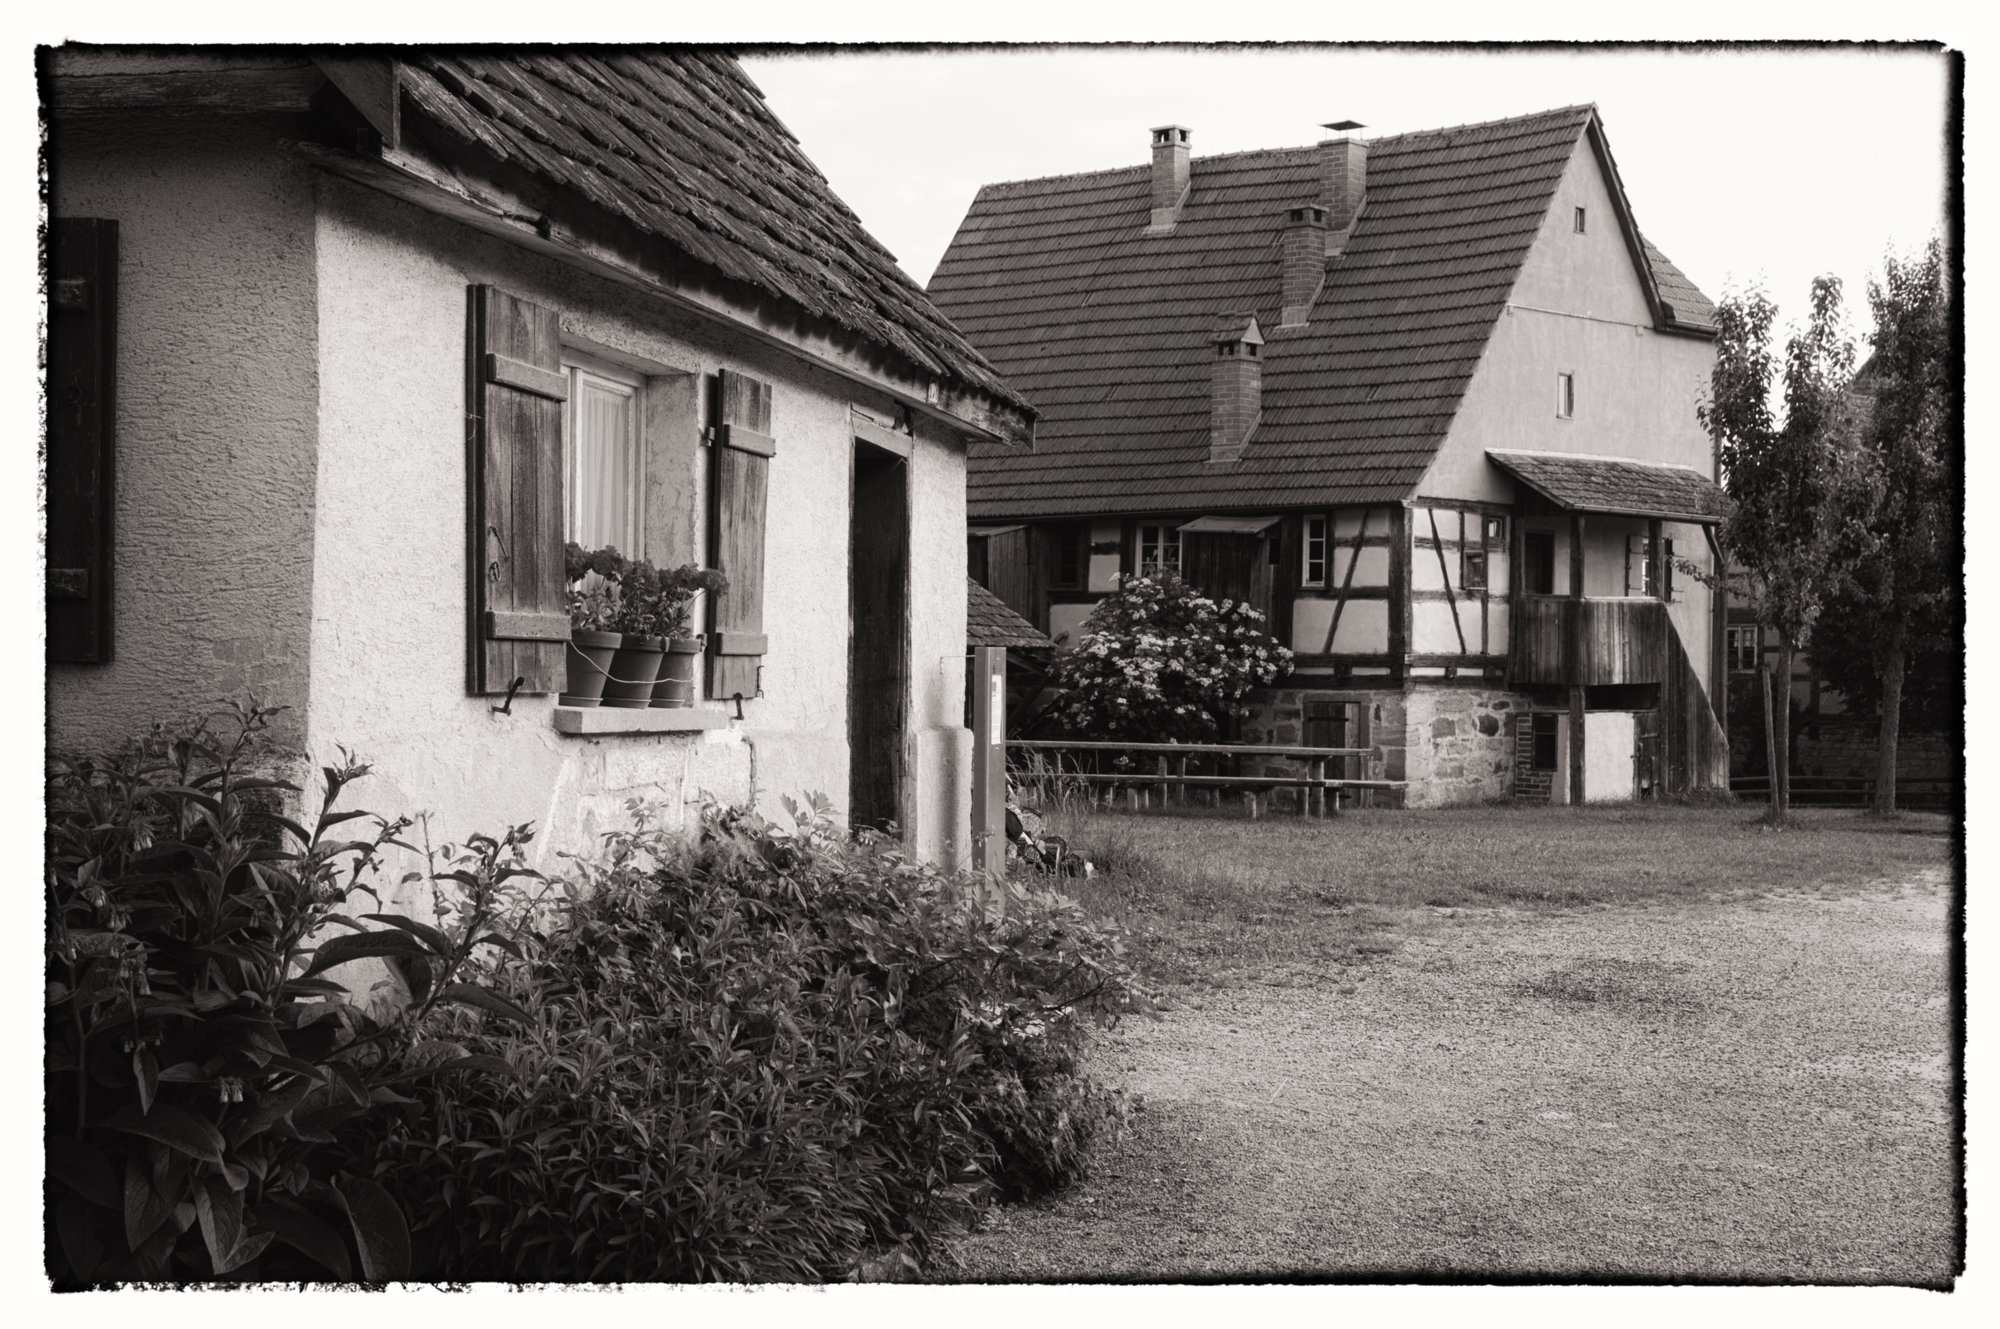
640	646
592	578
677	589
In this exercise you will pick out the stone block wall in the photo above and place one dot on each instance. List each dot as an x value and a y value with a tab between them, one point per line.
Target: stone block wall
1453	745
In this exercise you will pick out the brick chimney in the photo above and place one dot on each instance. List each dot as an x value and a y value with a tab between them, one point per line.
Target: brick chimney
1343	183
1170	176
1303	260
1236	385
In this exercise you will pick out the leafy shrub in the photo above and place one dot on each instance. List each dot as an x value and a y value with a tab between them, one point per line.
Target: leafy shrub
1159	661
758	1054
198	1067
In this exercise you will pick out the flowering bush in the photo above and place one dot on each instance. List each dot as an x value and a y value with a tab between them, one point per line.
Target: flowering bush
592	577
1159	661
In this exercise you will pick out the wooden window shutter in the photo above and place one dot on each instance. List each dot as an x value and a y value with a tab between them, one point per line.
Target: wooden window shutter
515	392
740	494
82	363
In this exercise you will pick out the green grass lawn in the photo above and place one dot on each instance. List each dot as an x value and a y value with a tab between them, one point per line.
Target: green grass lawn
1218	898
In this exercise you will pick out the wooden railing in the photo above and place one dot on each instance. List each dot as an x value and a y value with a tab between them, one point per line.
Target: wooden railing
1623	641
1149	769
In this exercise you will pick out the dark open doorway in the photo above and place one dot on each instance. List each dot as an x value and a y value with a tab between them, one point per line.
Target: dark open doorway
878	647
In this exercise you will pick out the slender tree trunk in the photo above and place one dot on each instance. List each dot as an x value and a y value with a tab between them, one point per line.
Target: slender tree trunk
1783	773
1894	660
1770	743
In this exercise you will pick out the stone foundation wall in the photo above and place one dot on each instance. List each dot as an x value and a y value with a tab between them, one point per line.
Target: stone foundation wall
1453	745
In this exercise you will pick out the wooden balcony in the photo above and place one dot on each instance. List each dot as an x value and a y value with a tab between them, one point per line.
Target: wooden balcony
1621	641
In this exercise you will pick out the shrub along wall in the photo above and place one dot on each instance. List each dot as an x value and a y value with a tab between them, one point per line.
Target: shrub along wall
760	1053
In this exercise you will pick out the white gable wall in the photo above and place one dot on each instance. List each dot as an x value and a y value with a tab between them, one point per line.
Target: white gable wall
1577	307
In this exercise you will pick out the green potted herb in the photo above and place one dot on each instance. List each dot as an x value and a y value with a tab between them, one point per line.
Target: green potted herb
592	578
640	646
678	588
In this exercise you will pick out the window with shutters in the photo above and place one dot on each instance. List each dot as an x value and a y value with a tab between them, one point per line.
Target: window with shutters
604	454
82	359
1643	570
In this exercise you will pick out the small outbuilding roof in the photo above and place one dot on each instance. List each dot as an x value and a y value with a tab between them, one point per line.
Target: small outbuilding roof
989	622
1616	485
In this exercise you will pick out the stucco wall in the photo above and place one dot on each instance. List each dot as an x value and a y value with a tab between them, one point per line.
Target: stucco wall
216	431
1636	388
388	611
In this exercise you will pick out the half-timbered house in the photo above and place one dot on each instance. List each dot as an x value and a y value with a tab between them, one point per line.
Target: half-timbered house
1427	401
343	349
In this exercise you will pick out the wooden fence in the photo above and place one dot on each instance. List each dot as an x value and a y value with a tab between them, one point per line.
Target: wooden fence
1161	770
1845	791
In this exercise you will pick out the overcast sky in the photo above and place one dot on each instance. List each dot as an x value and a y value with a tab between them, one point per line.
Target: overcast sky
1739	162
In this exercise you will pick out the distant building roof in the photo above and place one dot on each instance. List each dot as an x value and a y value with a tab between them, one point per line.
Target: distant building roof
1616	485
989	622
681	145
1105	328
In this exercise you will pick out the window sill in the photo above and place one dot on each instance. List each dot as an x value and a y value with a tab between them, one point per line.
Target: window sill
588	721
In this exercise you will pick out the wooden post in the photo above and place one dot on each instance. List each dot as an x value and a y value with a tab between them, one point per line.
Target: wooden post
1770	732
1181	794
1160	786
1400	614
1577	657
989	766
1666	741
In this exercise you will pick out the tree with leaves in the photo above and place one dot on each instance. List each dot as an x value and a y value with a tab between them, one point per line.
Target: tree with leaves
1789	478
1897	604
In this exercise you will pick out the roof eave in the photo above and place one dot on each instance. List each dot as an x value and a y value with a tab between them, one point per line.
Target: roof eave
496	209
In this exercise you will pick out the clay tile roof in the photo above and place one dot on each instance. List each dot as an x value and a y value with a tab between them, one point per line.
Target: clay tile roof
1615	485
989	622
681	145
1105	328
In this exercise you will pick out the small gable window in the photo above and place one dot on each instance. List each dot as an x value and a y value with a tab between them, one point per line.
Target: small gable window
1580	221
1473	573
1565	396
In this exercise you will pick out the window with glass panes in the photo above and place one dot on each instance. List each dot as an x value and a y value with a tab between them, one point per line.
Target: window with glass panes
1313	573
1159	549
604	457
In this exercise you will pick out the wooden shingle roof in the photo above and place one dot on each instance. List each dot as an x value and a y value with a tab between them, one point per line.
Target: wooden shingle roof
681	145
989	622
1105	328
1616	485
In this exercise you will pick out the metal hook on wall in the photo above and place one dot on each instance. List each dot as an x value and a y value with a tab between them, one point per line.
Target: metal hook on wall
507	707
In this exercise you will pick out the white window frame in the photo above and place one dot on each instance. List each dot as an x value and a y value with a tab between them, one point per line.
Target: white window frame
578	368
1313	553
1160	538
1735	648
1565	395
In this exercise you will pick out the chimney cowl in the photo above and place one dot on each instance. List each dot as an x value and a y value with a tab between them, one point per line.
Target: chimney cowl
1170	176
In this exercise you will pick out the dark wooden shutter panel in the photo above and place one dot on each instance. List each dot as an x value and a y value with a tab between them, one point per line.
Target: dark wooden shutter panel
740	494
82	361
515	392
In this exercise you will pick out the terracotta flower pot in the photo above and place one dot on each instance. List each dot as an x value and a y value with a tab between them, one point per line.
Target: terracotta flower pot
633	672
676	685
589	659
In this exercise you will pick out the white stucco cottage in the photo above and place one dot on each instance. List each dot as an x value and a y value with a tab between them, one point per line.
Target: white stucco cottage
342	349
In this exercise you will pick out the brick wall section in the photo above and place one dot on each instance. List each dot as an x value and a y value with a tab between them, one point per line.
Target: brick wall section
1530	785
1170	167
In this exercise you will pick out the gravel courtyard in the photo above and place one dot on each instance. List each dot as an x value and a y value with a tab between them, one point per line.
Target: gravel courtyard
1751	1088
